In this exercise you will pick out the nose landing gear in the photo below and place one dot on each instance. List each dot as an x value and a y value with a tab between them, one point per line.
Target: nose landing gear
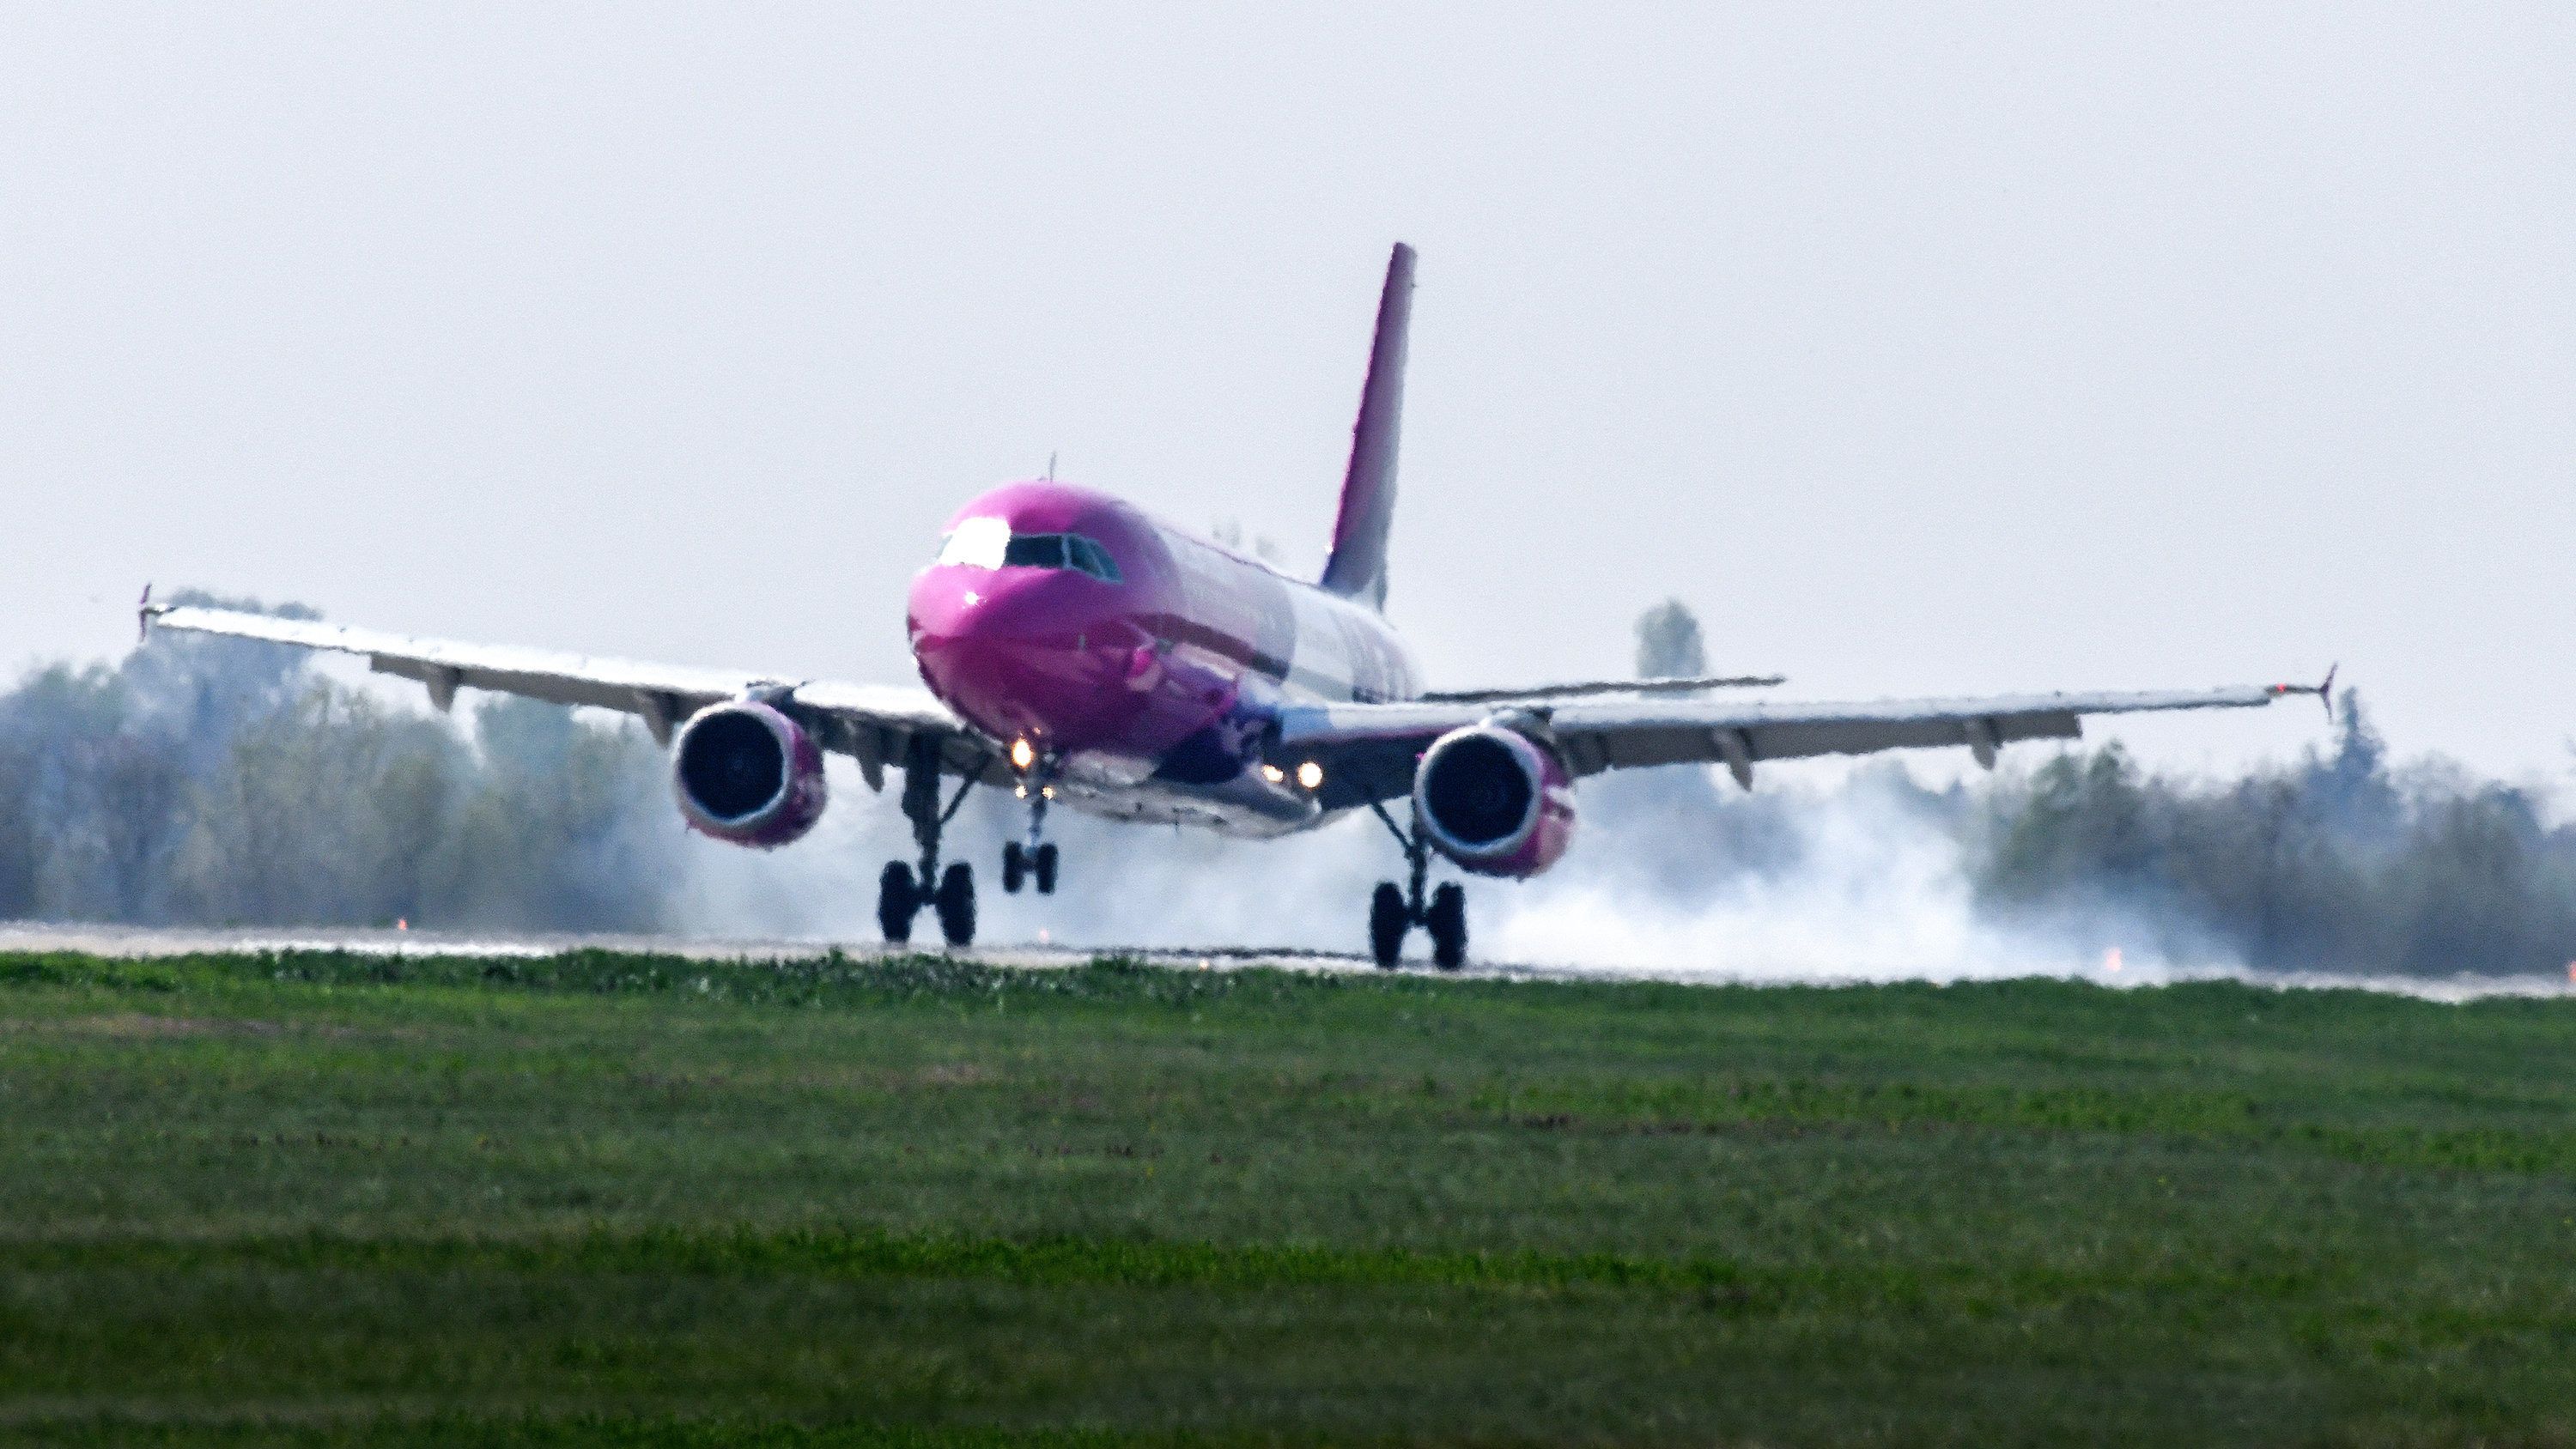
1394	912
1020	864
901	892
1035	859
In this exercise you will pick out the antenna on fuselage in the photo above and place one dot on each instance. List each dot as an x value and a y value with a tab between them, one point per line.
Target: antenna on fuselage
1050	466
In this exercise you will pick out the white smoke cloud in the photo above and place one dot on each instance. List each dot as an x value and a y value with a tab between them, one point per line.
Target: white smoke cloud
1848	879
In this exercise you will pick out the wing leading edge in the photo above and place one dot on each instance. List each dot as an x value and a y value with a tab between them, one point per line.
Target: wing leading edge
1368	750
1546	693
878	725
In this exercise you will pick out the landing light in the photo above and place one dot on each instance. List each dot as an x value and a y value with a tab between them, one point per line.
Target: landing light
1310	775
1273	774
1023	754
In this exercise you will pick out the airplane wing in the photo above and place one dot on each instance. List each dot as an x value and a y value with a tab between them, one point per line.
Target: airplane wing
1541	693
878	725
1368	751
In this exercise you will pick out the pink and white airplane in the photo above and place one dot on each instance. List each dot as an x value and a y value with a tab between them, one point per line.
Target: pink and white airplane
1079	651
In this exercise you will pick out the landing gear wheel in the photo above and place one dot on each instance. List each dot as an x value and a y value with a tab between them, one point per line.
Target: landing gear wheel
896	900
1388	921
1015	868
1447	923
1045	868
956	904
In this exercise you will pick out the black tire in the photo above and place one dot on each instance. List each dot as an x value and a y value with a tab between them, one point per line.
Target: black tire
1447	923
1388	921
956	904
897	899
1015	867
1046	869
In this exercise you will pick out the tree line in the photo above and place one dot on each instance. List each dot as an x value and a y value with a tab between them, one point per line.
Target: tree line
220	781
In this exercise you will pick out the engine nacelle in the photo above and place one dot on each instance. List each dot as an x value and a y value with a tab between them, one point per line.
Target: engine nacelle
748	774
1495	801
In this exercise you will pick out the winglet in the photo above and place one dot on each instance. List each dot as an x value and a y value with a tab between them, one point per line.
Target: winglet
144	613
2323	690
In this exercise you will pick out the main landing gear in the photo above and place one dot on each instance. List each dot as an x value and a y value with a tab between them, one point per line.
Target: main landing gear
901	893
1393	912
1033	860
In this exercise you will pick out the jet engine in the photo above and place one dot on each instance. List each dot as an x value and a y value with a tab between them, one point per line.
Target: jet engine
748	774
1495	801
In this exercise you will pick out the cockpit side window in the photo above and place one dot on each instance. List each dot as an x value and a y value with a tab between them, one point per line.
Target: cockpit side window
988	543
1094	560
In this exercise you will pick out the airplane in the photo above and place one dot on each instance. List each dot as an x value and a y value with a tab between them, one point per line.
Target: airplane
1076	651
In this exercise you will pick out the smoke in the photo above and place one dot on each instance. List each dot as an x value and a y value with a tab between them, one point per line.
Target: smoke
222	782
1862	880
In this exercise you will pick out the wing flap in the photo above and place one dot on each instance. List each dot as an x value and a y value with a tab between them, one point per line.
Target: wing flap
1644	745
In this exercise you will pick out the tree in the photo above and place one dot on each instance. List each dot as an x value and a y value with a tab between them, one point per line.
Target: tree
1669	644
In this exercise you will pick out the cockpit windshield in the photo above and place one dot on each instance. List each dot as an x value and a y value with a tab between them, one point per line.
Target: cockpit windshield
1034	551
988	543
977	543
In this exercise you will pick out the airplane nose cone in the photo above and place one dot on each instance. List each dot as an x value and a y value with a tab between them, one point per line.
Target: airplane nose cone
1009	653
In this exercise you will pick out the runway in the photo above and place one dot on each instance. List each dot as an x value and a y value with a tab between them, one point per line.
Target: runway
144	942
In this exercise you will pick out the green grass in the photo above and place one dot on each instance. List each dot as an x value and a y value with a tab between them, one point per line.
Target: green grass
604	1199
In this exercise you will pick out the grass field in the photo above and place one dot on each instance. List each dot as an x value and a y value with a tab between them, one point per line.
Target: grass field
324	1199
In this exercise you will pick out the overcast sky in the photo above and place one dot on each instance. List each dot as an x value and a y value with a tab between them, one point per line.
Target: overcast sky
1921	349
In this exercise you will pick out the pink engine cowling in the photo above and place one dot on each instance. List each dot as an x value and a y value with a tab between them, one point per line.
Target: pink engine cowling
748	774
1495	801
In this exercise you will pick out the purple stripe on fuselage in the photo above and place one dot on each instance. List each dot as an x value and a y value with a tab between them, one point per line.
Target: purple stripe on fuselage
1180	663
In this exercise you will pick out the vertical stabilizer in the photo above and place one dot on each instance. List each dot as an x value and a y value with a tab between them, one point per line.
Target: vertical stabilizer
1357	569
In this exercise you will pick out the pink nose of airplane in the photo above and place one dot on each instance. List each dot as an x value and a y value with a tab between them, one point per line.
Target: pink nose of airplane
1011	650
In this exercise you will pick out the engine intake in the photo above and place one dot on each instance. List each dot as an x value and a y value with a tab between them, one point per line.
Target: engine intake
1495	801
748	774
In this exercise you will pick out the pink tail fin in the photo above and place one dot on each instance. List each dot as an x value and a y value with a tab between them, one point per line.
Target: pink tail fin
1357	569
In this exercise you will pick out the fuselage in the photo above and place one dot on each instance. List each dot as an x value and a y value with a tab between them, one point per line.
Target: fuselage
1140	664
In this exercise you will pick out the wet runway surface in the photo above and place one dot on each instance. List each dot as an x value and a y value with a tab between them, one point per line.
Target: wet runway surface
143	942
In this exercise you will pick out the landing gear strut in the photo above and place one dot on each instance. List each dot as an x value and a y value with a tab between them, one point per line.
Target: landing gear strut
901	893
1393	912
1020	862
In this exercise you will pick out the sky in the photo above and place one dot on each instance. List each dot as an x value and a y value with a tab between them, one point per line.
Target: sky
1921	349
